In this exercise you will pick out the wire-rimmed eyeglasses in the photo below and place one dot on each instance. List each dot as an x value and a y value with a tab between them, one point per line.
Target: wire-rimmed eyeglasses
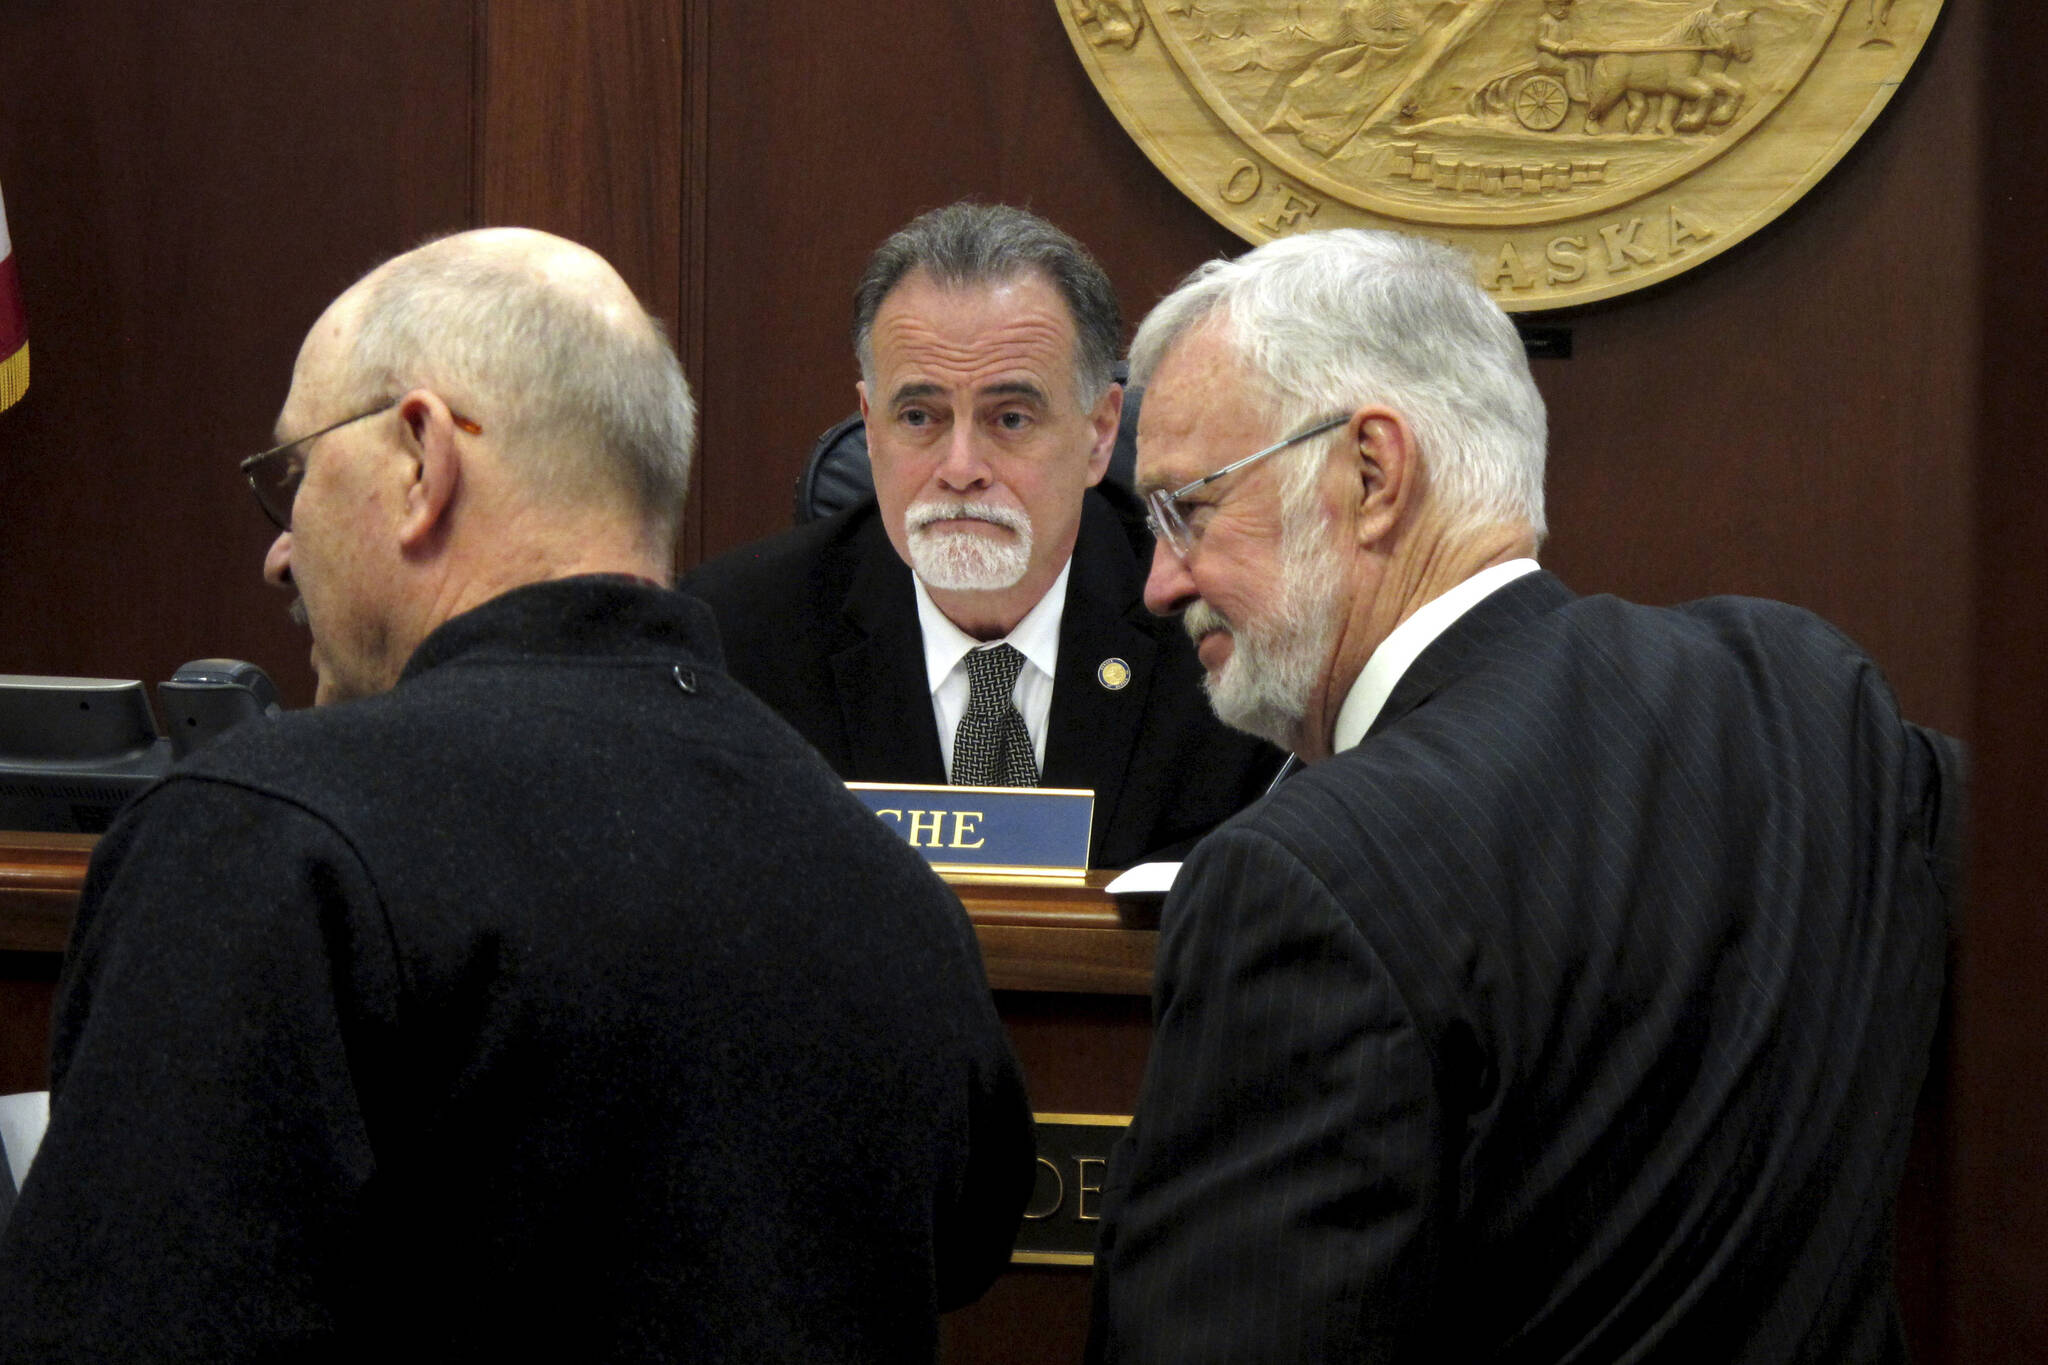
1164	514
275	479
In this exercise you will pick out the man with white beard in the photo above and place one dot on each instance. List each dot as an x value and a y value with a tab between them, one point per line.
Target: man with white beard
1572	1001
981	620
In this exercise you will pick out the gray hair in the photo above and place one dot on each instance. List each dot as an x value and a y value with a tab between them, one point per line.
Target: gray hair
1328	322
581	397
971	244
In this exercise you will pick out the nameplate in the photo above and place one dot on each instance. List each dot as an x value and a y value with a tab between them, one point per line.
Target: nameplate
988	831
1066	1200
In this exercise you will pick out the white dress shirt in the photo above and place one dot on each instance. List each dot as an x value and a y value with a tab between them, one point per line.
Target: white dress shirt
946	646
1405	643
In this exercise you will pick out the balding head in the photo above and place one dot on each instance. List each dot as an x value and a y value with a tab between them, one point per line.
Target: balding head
583	395
490	410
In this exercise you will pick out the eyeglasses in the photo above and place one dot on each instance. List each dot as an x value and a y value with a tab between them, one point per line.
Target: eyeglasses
275	481
1165	515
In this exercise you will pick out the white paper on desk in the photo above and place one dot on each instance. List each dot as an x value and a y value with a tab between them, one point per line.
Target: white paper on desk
22	1121
1146	879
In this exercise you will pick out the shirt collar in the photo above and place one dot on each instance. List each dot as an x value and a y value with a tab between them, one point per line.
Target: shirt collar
1036	637
1407	641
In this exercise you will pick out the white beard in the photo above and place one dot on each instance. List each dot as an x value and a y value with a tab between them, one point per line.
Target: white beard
1276	663
966	561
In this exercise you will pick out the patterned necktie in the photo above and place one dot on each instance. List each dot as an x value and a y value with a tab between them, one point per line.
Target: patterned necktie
992	748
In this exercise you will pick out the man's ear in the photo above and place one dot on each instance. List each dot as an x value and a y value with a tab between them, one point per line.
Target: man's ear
433	470
1102	421
1387	469
860	389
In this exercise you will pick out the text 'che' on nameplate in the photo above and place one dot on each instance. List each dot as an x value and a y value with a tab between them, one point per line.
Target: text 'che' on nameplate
989	831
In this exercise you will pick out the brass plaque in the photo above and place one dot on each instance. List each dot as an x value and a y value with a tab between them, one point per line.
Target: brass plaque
1578	149
1066	1202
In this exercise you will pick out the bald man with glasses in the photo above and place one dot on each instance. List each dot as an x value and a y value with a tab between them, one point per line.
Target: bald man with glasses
538	994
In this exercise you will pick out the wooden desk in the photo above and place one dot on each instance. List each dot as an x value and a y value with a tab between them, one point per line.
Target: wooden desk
1062	939
1072	972
40	877
1072	975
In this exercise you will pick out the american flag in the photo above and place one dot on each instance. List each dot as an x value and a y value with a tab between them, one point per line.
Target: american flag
13	323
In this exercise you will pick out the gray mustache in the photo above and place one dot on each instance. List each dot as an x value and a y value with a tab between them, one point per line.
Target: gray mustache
1201	618
924	514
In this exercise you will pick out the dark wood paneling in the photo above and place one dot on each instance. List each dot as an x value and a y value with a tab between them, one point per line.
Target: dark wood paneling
28	988
690	339
1032	1315
1792	420
580	132
1998	1253
187	186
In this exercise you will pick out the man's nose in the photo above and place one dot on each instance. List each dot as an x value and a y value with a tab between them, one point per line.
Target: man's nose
277	561
963	465
1169	587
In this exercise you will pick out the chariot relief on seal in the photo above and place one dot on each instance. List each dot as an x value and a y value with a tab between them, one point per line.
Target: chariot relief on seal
1579	148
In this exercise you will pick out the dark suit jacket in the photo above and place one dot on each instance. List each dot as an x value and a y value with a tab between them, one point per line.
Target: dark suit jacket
821	622
1577	1013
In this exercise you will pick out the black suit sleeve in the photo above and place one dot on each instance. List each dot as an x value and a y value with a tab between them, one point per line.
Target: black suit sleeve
1939	770
1286	1161
978	1228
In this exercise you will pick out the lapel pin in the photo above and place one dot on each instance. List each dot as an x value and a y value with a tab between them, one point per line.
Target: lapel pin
1113	674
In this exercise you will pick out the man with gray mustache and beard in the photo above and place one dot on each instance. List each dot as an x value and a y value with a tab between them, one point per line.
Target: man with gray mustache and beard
1571	1001
981	619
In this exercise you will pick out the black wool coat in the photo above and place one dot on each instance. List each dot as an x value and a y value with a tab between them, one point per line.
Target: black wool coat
558	1000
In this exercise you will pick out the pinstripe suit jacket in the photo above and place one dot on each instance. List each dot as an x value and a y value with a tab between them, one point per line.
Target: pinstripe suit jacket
1578	1013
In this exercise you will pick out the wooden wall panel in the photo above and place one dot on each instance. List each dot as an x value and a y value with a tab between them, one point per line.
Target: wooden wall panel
1997	1260
1795	418
28	991
187	186
1081	1055
580	132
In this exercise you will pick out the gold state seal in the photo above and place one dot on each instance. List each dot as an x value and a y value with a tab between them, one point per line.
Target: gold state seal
1578	148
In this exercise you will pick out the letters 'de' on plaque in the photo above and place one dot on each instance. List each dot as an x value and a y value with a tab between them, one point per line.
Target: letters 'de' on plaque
1578	149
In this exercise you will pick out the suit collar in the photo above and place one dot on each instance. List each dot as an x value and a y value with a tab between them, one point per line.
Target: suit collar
1450	655
878	668
1108	658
